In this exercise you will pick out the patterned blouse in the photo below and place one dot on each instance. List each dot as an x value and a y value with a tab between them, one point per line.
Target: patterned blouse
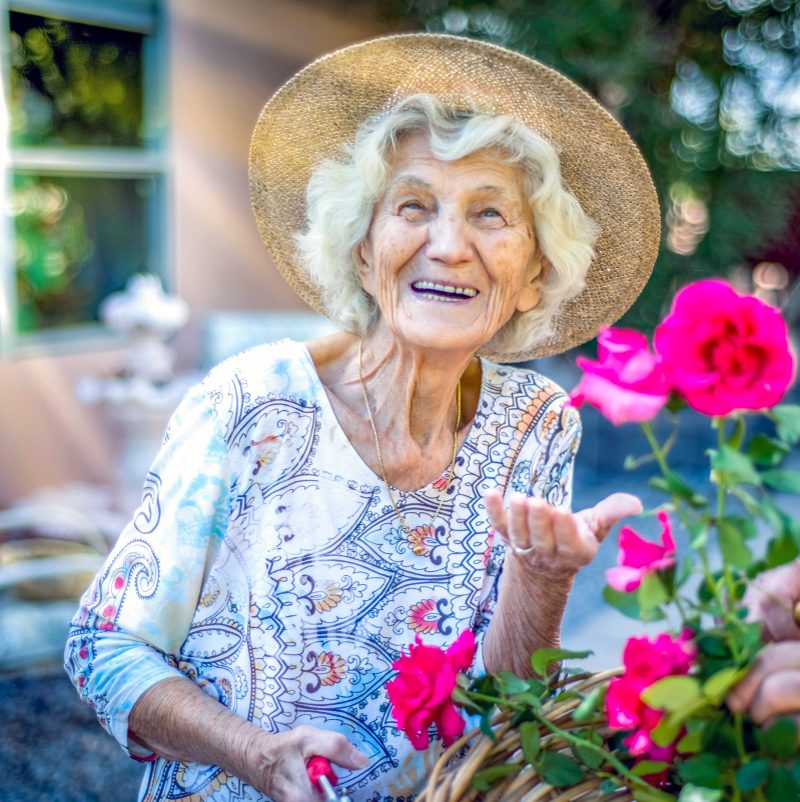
266	563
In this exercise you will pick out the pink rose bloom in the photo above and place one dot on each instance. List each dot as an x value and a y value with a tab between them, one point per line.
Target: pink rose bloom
645	662
627	382
638	557
420	694
724	351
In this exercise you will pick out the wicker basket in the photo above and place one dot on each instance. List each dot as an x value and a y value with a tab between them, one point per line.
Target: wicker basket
451	778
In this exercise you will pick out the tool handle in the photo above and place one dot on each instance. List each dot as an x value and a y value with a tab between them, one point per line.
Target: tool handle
318	767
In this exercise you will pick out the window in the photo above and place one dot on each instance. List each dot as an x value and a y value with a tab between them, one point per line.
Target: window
84	191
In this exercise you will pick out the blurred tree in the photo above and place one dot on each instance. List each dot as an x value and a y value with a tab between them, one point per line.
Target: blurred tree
709	89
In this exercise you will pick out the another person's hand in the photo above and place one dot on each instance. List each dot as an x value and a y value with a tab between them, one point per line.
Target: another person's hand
772	688
771	598
275	764
555	540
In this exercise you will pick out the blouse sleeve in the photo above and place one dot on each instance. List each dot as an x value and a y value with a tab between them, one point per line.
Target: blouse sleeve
543	469
128	630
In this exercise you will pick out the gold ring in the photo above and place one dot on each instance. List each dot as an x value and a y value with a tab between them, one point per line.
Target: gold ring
522	551
796	613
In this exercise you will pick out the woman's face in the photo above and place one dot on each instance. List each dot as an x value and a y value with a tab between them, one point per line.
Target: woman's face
451	252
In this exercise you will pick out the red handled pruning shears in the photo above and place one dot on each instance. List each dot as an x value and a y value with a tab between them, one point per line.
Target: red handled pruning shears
323	776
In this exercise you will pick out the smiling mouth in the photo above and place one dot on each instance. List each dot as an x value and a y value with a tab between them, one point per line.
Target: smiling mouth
442	292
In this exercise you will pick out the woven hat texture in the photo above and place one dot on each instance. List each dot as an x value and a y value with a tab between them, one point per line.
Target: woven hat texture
322	106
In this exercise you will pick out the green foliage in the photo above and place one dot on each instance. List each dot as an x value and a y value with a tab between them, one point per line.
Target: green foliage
689	80
787	422
542	659
486	778
560	770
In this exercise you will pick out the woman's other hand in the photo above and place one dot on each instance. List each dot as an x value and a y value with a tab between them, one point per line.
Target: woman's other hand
552	539
275	764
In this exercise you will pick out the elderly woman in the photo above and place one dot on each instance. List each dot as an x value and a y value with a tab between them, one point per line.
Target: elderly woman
317	506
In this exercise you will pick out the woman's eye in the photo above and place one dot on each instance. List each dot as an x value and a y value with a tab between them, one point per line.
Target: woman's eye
411	206
491	213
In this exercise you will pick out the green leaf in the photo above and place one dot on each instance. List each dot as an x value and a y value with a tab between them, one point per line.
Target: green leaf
781	550
672	693
712	645
779	740
590	703
731	542
765	451
542	658
530	698
530	740
781	786
609	786
716	687
486	778
626	603
651	593
734	467
666	731
560	770
696	793
486	725
704	770
588	756
752	774
747	640
691	742
676	486
511	683
784	481
787	422
645	767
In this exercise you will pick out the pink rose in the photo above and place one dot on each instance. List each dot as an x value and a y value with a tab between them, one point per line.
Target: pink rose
420	694
627	383
645	662
638	557
723	351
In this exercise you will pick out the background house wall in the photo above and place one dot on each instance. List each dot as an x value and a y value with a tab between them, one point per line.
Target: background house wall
225	61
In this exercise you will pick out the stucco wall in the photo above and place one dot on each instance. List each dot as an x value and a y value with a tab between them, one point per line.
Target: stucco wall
225	60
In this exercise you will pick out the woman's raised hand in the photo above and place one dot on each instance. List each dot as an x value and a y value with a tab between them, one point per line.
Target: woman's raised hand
552	539
275	764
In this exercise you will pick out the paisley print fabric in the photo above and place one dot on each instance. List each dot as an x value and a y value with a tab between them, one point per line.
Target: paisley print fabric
267	565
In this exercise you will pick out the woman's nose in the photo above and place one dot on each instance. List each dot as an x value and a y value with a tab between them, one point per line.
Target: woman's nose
448	239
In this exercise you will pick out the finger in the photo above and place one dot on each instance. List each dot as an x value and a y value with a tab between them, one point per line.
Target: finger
777	657
778	695
779	623
539	520
579	545
518	530
496	512
606	513
335	747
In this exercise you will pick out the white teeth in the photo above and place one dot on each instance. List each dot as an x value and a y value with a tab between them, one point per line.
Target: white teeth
466	292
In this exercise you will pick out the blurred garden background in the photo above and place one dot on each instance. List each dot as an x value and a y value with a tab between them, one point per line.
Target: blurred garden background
124	132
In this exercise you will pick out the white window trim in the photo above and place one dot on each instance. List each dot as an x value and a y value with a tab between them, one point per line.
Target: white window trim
151	161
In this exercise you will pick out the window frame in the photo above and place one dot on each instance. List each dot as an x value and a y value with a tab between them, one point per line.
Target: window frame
149	18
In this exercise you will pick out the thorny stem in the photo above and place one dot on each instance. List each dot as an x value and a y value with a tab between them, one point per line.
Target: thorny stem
658	452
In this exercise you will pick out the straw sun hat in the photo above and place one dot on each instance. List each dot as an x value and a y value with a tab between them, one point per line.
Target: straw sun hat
321	107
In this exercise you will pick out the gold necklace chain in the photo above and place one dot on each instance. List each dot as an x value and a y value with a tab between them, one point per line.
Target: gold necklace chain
403	525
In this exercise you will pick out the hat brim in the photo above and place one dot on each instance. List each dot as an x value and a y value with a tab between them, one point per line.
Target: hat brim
322	106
